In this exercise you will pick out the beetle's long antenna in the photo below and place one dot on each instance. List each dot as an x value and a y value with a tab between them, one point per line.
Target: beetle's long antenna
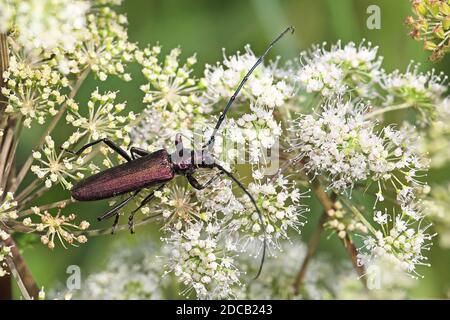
210	143
252	199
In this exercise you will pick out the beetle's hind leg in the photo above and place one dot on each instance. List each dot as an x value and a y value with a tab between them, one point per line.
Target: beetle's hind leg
116	222
111	144
146	200
113	211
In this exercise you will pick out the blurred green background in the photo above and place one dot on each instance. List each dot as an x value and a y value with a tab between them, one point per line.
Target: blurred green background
205	27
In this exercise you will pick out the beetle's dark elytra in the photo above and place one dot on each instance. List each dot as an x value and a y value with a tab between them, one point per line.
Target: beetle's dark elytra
143	172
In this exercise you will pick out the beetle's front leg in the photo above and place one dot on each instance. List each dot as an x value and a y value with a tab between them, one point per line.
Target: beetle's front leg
197	185
111	144
138	152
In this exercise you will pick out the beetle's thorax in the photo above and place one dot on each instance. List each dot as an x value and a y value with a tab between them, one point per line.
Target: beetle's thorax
186	160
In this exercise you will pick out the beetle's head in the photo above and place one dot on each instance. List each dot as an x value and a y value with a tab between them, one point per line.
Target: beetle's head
185	159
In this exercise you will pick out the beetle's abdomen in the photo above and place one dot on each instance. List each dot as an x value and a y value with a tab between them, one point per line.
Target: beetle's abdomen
143	172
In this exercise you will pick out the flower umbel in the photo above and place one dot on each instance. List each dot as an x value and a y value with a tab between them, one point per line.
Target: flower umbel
59	226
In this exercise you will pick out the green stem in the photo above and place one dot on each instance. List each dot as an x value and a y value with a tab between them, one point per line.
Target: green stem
360	216
387	109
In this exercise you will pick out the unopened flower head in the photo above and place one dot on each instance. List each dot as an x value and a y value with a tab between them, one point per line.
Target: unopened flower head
342	222
59	227
105	48
431	25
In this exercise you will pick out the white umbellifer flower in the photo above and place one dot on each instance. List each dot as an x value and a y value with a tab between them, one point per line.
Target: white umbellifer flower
177	207
33	89
104	47
278	201
340	143
54	167
45	23
103	121
58	226
436	142
4	252
280	271
422	91
384	280
7	211
172	98
220	81
7	206
402	241
339	69
200	263
437	205
131	273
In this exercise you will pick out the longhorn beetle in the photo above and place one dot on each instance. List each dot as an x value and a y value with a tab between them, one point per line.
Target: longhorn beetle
144	170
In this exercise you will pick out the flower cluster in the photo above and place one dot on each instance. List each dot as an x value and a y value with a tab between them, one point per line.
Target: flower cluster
343	223
34	89
4	252
177	207
342	144
436	139
45	23
54	167
431	25
130	273
279	202
58	226
437	206
104	120
340	69
422	91
7	206
172	98
104	47
221	80
7	211
200	263
400	243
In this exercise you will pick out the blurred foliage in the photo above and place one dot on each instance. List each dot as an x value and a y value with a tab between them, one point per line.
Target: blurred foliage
205	27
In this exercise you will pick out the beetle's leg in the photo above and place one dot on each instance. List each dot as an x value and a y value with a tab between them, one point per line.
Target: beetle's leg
197	185
106	141
117	207
116	222
261	220
146	200
138	152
